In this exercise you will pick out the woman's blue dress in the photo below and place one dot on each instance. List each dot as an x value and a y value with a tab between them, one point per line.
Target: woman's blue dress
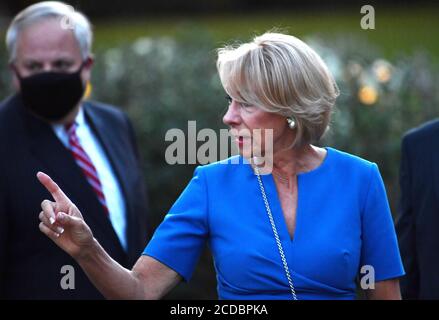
343	223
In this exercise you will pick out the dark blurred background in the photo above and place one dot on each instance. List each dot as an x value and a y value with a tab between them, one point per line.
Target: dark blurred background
156	60
100	8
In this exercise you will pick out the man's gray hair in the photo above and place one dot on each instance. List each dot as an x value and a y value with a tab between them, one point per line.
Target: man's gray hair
68	17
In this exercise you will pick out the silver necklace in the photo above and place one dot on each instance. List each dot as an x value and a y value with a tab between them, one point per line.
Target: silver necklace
276	235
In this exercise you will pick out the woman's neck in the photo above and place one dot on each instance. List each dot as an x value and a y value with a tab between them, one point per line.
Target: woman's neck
288	163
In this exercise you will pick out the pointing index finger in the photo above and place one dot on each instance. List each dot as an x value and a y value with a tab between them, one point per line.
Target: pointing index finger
52	187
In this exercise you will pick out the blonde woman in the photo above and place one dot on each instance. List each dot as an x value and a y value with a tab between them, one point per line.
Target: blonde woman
302	231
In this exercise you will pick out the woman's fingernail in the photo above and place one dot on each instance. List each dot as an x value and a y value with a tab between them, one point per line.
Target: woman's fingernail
52	221
60	230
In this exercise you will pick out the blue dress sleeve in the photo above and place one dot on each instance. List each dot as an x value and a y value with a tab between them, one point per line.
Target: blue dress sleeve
379	242
180	238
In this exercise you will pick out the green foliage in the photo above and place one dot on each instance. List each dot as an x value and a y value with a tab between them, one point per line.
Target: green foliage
379	101
398	28
162	83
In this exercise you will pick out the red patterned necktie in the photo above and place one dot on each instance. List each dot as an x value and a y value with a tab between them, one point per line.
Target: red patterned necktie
84	162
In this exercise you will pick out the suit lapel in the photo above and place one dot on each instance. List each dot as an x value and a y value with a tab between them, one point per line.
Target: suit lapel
109	143
435	163
55	157
58	162
115	153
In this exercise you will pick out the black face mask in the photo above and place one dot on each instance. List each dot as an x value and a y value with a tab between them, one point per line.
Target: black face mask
52	95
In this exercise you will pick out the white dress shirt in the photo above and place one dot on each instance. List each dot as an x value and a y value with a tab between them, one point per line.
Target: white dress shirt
110	186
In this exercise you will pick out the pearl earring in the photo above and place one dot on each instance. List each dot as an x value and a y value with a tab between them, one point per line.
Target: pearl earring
291	122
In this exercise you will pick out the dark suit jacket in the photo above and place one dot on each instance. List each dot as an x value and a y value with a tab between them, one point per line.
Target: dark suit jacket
30	263
418	222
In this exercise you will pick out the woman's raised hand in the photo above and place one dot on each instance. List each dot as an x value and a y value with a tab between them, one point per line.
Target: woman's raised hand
62	221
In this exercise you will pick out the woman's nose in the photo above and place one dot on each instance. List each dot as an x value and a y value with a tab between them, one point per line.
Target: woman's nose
232	116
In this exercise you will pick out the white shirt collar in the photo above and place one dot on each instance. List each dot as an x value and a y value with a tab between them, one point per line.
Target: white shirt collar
61	132
79	120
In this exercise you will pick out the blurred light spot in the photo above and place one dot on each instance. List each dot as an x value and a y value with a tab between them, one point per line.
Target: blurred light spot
142	46
114	61
382	70
354	68
368	95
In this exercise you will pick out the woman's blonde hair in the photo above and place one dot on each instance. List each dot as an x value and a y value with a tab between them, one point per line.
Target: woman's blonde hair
280	73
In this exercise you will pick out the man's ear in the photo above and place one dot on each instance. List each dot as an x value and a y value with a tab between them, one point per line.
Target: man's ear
14	77
88	64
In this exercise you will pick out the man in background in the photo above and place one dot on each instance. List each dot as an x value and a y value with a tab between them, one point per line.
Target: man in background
418	222
88	147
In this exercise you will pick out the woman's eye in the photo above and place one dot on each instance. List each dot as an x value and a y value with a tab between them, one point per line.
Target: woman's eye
241	104
246	105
